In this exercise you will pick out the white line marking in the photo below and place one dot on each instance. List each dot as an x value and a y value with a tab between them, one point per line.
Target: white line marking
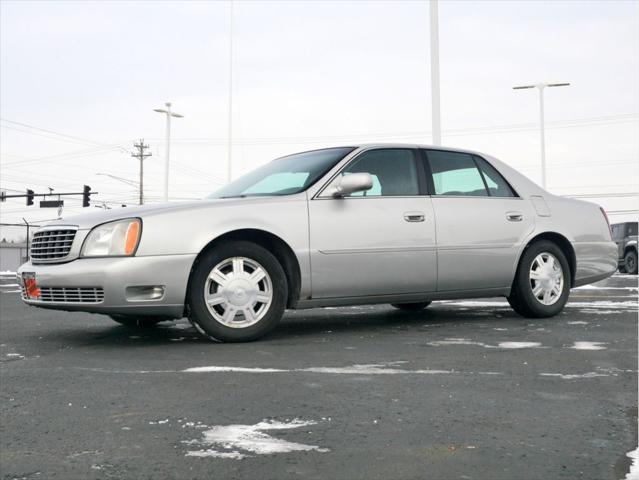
233	369
573	376
372	369
626	305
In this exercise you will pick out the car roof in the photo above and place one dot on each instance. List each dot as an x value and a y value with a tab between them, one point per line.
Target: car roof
416	145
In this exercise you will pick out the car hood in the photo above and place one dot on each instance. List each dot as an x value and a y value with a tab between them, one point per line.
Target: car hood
90	220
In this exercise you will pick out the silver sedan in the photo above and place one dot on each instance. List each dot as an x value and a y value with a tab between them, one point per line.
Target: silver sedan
398	224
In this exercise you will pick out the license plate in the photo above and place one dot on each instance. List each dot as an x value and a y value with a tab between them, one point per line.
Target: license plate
30	285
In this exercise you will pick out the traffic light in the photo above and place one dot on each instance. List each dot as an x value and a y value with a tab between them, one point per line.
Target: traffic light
86	196
29	197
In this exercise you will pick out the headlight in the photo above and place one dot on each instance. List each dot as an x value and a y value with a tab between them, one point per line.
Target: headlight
119	238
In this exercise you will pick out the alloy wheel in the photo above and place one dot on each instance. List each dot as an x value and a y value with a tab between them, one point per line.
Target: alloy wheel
238	292
546	278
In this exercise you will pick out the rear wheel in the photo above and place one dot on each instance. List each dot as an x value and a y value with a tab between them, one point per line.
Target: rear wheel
237	292
411	307
630	262
542	283
136	321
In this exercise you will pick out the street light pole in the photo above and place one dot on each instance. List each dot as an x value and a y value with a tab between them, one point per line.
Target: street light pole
542	121
230	112
434	74
169	114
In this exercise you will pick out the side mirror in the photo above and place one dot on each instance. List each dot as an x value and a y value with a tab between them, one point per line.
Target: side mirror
354	182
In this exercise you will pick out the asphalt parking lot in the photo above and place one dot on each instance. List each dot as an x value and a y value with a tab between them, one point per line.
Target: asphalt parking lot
464	390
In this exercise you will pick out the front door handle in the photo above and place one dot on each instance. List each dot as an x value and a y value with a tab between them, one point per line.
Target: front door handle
414	216
514	216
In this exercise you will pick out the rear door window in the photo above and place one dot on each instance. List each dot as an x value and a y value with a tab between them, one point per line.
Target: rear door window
455	174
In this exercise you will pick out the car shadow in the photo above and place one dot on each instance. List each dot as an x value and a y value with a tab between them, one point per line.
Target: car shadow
366	320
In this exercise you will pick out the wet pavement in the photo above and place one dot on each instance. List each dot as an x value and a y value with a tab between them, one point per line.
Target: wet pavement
463	390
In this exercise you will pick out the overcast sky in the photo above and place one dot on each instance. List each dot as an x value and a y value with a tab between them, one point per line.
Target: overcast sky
310	74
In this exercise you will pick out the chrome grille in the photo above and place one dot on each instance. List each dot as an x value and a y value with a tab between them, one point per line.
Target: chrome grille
70	294
51	244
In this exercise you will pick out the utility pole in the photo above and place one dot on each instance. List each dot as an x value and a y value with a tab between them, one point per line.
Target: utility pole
141	156
230	112
169	114
28	240
434	74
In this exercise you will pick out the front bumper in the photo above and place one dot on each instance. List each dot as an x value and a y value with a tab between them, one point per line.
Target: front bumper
118	277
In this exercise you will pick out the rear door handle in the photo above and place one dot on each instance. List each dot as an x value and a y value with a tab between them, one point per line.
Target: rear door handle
414	216
514	216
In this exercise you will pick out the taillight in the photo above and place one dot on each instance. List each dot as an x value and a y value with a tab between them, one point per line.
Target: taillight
607	221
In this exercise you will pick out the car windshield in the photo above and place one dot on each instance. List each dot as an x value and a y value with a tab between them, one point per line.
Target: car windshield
286	175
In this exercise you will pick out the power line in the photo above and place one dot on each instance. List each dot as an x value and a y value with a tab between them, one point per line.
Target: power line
72	137
62	156
506	128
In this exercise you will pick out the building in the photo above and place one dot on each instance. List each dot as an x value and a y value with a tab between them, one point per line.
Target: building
12	255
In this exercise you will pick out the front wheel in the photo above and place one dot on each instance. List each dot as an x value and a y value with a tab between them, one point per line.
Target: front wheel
411	307
630	262
542	282
237	292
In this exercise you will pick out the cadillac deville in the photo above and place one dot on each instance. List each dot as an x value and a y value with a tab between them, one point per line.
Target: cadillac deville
398	224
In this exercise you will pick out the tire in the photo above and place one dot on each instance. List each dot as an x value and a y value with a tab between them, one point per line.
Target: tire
240	308
630	262
136	321
538	257
411	307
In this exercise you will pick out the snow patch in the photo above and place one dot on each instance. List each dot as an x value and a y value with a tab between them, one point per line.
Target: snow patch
240	441
633	474
588	346
519	345
465	341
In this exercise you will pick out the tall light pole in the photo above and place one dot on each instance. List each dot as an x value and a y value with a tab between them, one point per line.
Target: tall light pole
169	114
434	74
541	87
230	112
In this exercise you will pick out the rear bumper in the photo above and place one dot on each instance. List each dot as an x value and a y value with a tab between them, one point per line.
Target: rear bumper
595	261
118	277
